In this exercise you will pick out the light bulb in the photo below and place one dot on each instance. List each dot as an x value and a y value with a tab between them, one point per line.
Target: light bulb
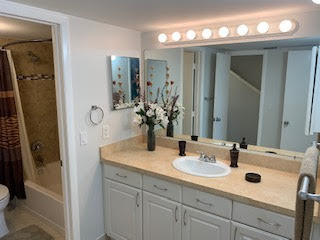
224	32
176	36
242	29
162	38
206	33
263	27
285	26
316	1
191	35
113	58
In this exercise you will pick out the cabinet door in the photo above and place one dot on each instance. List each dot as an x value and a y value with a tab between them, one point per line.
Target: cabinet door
243	232
200	225
161	218
123	211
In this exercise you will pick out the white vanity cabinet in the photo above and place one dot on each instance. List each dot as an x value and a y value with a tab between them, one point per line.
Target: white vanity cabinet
243	232
141	207
205	226
161	218
123	211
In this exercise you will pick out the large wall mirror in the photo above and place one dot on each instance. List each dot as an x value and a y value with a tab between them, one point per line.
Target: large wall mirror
125	76
253	92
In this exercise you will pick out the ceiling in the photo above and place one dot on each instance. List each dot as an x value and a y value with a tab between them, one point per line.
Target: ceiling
21	29
152	15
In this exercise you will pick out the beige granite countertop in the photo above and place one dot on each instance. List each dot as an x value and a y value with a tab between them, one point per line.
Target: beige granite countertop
276	191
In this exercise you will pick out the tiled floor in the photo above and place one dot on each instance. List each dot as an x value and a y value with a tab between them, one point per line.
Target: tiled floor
20	217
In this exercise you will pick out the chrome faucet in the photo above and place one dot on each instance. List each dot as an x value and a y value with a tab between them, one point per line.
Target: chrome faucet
205	158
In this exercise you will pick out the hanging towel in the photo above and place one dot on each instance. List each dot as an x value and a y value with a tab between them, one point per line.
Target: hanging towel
304	209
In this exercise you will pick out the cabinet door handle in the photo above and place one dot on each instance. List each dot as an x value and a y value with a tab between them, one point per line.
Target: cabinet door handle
273	224
137	199
122	176
176	214
204	203
185	217
235	233
160	188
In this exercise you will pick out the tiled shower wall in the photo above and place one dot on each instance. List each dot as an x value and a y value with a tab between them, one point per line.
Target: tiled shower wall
35	70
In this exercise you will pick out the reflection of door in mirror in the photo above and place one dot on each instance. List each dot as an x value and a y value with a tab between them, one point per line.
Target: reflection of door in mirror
221	96
189	79
295	102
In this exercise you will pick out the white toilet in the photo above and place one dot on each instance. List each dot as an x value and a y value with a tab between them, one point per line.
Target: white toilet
4	200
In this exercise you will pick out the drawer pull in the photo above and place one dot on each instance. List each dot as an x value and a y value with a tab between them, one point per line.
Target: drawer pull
204	203
185	217
137	200
160	188
122	176
176	214
273	224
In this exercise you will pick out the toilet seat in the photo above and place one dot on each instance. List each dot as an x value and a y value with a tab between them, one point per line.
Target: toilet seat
4	192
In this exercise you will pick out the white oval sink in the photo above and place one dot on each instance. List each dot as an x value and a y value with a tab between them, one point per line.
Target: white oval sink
192	165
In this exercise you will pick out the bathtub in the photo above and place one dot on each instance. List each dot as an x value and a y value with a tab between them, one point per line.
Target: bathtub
44	196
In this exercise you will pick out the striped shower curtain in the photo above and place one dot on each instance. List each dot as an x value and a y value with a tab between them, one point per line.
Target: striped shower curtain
11	170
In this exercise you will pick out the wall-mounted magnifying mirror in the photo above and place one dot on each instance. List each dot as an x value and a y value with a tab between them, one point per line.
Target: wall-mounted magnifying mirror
255	94
125	81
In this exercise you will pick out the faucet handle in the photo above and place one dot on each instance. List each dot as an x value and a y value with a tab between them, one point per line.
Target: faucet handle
202	155
212	159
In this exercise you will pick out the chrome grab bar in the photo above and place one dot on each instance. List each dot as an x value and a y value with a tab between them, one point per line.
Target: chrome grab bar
304	191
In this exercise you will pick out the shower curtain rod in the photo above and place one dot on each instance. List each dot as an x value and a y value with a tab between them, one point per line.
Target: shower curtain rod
26	41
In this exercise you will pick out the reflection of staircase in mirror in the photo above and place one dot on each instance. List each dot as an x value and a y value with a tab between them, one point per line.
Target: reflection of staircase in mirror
243	110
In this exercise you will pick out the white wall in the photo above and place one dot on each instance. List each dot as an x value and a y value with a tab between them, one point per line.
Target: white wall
91	42
272	100
243	110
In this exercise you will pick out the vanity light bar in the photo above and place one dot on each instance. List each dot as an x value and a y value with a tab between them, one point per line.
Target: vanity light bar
262	28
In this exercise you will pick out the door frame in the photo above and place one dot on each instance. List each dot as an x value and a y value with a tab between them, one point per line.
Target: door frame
64	98
264	54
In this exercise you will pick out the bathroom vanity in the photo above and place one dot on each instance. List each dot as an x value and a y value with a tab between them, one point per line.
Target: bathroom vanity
145	197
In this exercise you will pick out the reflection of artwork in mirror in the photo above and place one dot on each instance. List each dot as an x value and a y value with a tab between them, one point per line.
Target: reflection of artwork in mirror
156	77
259	96
125	81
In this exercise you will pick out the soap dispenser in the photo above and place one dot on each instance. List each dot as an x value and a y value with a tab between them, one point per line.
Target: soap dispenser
234	155
243	143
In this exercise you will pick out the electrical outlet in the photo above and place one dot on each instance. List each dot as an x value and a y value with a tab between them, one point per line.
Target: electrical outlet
105	131
83	138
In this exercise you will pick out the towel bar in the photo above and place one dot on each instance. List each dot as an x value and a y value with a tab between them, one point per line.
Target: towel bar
304	191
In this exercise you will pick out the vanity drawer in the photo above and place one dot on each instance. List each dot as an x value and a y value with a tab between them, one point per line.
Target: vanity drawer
163	188
122	175
205	201
266	220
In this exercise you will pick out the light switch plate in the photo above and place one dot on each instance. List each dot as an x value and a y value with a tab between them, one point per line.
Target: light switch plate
83	138
105	131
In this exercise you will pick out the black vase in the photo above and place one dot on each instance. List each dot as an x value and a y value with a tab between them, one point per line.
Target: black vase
170	129
151	138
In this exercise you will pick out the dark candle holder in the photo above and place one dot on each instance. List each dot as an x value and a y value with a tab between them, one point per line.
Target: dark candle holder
182	148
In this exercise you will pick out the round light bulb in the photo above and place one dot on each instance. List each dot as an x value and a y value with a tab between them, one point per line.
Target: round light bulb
263	27
285	26
242	30
206	33
316	1
113	58
224	32
176	36
191	35
162	38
